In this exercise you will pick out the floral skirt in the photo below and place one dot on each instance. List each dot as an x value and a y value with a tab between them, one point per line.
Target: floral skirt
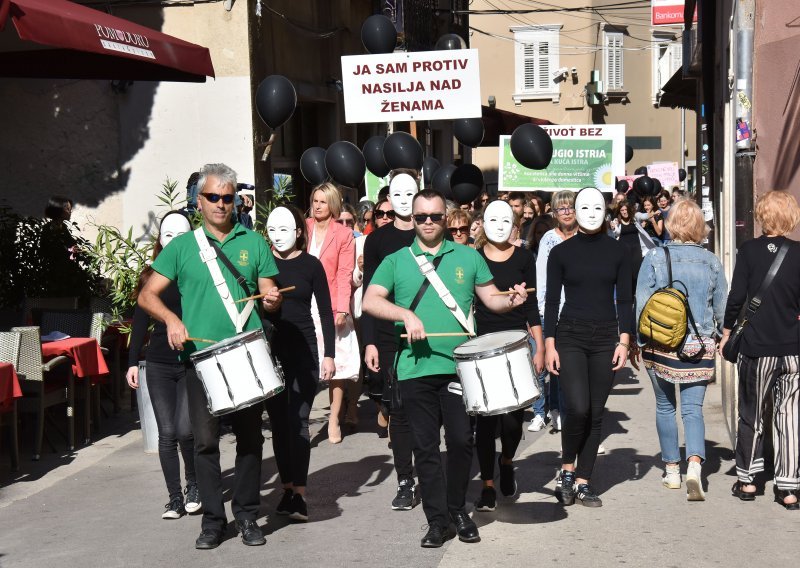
666	364
348	355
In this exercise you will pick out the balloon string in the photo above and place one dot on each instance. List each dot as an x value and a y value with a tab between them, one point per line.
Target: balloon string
268	147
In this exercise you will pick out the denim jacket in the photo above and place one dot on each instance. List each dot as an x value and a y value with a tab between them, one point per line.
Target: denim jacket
694	270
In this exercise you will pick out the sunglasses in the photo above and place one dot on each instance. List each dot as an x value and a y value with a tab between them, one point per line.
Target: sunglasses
380	214
215	197
348	222
423	217
456	230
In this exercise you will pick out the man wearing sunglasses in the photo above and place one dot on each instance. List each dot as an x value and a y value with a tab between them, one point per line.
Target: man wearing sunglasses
205	316
426	369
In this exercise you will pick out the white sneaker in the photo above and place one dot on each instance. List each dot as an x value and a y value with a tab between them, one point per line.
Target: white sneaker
555	420
672	477
601	449
536	424
694	485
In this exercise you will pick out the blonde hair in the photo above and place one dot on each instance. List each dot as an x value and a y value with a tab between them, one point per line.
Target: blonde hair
458	215
563	198
686	223
777	212
332	197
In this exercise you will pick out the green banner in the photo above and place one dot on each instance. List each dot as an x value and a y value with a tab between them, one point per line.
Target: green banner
575	164
373	184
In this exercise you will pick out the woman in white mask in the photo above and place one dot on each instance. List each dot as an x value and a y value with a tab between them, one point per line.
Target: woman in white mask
509	265
589	340
295	345
166	384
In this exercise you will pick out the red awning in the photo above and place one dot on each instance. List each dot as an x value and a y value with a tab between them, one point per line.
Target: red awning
498	122
93	45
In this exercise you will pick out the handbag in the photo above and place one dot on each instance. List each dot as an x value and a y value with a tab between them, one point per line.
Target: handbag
730	352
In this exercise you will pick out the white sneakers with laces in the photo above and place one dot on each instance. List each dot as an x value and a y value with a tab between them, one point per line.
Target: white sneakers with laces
537	424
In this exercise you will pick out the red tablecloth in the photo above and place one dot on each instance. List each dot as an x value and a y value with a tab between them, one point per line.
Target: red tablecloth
87	359
9	386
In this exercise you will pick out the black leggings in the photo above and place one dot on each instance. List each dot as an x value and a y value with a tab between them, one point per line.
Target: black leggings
585	350
288	415
166	384
510	435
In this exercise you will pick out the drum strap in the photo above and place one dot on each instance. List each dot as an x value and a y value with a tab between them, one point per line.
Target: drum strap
429	272
209	256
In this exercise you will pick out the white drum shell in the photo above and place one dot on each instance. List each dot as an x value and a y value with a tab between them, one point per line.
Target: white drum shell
231	379
489	378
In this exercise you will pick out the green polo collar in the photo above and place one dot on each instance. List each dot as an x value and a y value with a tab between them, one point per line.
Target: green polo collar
237	230
447	246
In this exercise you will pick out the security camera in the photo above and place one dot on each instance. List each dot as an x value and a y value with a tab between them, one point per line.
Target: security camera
560	72
574	70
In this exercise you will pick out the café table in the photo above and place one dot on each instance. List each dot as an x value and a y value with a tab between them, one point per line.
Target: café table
9	386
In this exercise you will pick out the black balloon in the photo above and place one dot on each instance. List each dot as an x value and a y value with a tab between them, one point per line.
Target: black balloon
276	100
441	180
622	185
345	163
628	153
681	174
312	165
469	131
401	150
466	183
451	41
643	186
429	167
373	154
657	187
378	34
531	146
640	171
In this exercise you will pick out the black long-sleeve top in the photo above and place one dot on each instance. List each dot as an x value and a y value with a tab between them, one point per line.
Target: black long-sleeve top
158	350
773	330
519	267
293	322
592	268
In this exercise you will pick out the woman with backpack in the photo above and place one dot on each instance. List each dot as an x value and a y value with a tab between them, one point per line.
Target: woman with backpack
698	274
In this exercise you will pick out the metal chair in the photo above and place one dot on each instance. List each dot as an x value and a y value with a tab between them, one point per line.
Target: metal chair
39	396
9	353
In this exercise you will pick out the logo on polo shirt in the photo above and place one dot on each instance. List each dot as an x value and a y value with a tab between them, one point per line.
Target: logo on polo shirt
244	258
459	275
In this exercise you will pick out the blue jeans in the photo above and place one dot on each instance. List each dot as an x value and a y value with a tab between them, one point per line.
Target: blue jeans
549	397
694	428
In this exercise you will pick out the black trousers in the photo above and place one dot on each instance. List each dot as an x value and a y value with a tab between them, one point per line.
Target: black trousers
249	441
288	415
510	436
166	383
399	428
429	404
585	350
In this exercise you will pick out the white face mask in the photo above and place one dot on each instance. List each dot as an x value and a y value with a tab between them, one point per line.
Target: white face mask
282	229
401	194
590	209
172	226
498	220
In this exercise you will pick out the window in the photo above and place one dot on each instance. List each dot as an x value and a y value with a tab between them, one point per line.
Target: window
535	62
667	60
612	60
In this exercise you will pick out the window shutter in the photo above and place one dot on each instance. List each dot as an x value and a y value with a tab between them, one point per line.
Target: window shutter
614	62
676	54
544	65
529	67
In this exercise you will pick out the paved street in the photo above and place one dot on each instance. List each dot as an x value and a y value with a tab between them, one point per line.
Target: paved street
102	506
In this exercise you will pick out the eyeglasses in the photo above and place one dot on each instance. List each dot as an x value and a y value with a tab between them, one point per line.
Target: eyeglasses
423	217
215	197
455	230
565	210
348	222
380	214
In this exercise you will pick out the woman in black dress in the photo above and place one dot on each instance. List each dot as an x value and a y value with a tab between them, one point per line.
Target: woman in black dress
295	346
627	233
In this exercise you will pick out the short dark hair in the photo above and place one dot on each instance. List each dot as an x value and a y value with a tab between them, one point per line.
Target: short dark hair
55	207
383	193
428	194
516	195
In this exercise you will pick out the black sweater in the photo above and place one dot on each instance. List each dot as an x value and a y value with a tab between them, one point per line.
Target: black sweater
293	323
591	268
158	350
520	267
773	331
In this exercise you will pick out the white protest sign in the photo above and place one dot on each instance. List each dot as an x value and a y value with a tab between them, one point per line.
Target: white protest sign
666	173
424	85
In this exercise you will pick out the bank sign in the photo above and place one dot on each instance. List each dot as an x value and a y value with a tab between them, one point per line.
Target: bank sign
668	12
583	155
424	85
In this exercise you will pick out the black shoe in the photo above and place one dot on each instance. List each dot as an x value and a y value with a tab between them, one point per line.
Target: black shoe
565	489
435	537
383	431
586	495
251	534
208	539
299	508
465	527
508	484
406	498
488	501
741	494
781	494
193	503
174	509
285	505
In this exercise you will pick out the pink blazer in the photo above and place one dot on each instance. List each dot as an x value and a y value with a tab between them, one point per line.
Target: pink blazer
338	257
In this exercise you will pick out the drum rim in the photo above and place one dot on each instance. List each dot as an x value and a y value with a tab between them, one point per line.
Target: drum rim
505	410
492	352
211	350
249	403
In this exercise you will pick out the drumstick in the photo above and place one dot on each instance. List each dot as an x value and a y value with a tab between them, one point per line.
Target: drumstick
200	340
509	292
447	334
257	296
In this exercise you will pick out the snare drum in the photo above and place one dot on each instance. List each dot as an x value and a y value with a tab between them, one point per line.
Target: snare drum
496	372
237	372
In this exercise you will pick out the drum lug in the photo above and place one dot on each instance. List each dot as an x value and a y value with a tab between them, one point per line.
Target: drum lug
511	378
483	387
225	379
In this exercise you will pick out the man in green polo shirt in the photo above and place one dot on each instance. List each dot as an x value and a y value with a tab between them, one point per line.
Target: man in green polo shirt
426	367
205	316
